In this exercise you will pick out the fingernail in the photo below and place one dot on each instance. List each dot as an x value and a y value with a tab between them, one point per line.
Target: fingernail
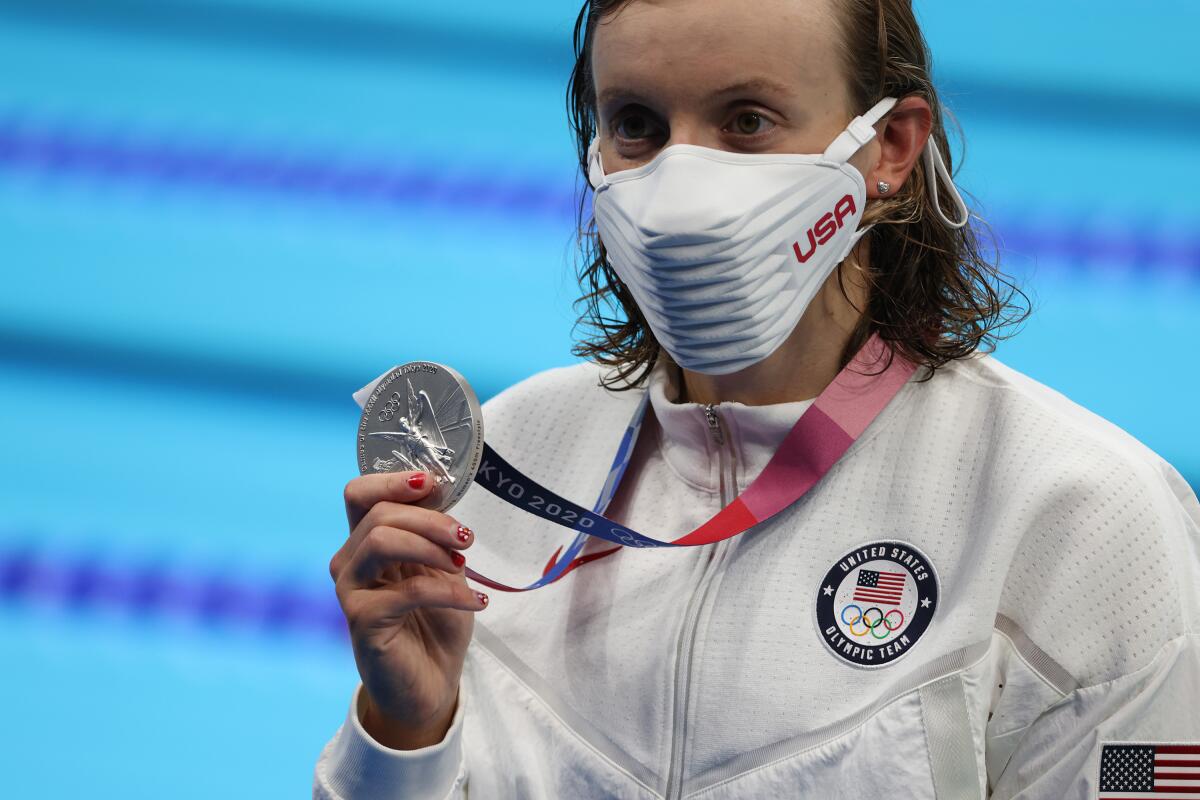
458	558
464	534
417	481
482	597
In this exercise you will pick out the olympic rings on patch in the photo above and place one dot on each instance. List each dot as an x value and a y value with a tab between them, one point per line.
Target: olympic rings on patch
856	619
870	626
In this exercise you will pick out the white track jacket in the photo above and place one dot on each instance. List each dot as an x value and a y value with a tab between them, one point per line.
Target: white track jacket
1032	568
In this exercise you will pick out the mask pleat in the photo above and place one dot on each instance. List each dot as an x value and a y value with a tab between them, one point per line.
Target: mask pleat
723	253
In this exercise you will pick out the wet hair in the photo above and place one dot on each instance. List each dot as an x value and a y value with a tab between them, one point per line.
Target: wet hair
933	293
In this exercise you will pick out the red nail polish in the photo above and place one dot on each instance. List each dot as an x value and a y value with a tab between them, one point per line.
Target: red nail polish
458	558
482	597
417	481
464	534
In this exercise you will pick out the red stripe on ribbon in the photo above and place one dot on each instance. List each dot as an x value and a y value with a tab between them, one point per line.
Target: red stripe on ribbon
578	562
550	563
734	518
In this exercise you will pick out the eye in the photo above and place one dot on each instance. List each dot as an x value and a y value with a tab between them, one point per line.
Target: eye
750	123
635	125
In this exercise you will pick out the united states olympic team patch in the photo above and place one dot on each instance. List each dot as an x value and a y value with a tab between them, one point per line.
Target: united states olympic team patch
876	602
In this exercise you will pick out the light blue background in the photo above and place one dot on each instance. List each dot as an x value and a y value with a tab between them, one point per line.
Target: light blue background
177	348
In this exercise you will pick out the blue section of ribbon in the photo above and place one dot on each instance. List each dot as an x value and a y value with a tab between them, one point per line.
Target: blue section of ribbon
506	482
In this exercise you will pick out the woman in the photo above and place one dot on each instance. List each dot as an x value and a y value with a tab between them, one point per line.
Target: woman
979	589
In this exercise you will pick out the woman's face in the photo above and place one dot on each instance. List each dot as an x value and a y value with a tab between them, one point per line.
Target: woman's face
750	76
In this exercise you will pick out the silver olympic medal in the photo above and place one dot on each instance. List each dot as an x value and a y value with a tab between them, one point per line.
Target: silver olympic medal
423	416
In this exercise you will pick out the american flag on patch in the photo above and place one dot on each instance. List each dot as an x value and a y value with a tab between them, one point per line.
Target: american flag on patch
1161	771
884	588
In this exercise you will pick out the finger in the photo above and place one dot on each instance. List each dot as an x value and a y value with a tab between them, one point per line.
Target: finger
365	491
377	607
439	528
383	547
433	525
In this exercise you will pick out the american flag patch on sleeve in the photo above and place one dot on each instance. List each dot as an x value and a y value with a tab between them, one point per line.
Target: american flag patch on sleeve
1131	770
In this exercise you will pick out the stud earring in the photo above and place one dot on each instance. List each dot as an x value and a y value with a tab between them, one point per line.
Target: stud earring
884	187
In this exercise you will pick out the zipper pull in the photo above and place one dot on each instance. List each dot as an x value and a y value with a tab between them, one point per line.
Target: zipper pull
714	423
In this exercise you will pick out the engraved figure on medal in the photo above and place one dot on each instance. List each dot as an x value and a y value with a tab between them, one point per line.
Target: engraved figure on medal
420	448
432	423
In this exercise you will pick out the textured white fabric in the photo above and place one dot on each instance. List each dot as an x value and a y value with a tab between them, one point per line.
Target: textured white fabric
1066	553
360	767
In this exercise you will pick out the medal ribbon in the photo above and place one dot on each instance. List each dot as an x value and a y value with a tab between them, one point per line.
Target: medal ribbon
823	433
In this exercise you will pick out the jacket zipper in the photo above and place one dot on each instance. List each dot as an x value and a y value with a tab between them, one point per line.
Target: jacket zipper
687	637
725	457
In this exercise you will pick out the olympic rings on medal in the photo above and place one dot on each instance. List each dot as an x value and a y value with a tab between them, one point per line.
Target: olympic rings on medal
871	626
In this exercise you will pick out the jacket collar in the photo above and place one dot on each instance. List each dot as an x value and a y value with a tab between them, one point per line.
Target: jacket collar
751	433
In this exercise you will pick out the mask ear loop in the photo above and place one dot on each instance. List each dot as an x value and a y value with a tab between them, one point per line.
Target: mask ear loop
860	131
595	167
935	170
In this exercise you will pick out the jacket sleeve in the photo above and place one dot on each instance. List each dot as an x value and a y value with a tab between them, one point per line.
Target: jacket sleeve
353	766
1128	725
1061	753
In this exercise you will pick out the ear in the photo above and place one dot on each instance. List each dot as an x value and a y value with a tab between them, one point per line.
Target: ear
901	139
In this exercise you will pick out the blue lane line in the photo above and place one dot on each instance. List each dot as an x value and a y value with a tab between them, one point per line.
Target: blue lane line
72	152
124	159
154	590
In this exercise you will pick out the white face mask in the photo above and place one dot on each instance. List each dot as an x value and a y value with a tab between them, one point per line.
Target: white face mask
723	252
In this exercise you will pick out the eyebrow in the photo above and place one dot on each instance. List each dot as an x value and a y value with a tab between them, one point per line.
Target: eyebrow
749	85
614	92
755	84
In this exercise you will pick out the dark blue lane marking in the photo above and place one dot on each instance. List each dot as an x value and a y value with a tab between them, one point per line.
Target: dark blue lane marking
153	590
130	158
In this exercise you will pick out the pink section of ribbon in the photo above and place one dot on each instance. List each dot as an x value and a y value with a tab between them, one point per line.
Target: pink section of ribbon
809	450
853	400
